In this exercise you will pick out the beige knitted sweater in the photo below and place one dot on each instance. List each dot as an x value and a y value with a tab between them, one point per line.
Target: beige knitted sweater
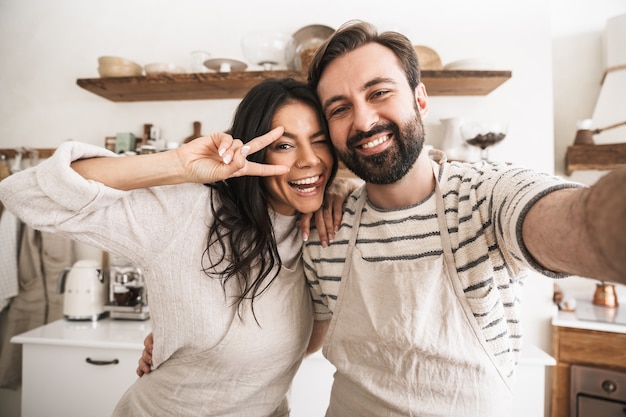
163	230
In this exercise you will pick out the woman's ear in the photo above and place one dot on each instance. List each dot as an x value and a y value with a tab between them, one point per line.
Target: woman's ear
421	99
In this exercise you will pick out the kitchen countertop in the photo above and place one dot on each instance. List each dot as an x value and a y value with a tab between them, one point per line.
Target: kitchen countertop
105	333
533	355
585	311
129	334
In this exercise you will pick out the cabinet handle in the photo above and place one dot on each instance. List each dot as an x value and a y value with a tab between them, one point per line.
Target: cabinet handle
100	363
609	386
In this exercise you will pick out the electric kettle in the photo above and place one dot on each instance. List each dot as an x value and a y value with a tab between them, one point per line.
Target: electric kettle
84	291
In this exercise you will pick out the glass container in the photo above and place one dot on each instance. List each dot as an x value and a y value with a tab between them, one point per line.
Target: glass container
265	48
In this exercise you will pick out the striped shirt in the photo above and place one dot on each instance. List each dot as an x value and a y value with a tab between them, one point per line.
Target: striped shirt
485	204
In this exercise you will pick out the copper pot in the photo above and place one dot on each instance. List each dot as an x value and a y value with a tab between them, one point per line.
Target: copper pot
605	295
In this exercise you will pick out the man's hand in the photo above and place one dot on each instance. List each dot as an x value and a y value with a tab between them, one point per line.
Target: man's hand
581	231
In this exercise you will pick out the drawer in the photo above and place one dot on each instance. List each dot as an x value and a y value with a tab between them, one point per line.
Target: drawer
591	347
60	381
594	407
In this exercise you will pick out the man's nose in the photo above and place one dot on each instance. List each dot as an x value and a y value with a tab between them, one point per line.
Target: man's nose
365	117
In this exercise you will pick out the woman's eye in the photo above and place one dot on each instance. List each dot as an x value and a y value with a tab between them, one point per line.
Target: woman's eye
322	142
282	146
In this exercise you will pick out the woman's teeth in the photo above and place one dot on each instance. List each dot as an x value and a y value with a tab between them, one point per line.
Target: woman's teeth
306	181
306	190
376	142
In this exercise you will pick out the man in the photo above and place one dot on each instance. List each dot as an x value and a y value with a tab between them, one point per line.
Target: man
420	288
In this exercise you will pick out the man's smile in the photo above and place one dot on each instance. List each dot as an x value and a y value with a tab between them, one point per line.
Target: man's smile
375	142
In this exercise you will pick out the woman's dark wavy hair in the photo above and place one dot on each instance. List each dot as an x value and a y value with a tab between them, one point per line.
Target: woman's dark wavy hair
354	34
242	222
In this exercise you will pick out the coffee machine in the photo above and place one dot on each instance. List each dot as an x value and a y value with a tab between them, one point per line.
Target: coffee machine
128	296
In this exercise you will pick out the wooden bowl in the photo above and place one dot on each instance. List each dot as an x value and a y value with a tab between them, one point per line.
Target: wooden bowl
115	66
108	71
427	58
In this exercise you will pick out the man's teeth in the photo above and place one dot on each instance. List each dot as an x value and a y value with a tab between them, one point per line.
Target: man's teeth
375	142
305	181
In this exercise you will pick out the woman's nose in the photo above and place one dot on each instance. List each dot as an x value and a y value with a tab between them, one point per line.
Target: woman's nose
307	158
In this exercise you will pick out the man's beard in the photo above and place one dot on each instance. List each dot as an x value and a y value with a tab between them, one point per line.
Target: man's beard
393	163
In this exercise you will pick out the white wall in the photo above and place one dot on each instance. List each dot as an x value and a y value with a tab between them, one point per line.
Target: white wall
577	31
45	46
49	45
579	62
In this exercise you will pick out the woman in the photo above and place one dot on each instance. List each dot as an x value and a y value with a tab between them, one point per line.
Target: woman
230	310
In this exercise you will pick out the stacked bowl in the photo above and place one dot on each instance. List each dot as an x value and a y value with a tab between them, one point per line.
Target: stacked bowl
113	66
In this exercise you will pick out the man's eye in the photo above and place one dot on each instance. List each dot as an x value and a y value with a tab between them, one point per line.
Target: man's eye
379	93
337	111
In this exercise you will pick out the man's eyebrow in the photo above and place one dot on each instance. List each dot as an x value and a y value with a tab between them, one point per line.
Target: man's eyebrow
371	83
378	80
330	101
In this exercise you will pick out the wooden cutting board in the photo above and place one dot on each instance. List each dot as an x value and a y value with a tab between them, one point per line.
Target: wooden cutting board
197	127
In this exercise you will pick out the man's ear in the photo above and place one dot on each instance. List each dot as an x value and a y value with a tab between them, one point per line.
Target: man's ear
421	98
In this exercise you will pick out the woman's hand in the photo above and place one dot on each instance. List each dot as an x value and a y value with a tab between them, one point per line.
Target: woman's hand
145	361
211	158
328	217
320	328
219	156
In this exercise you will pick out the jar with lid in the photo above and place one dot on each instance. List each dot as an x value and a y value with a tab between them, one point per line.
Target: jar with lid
452	143
147	149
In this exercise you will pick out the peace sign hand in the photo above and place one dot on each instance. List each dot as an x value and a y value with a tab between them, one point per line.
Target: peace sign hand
219	156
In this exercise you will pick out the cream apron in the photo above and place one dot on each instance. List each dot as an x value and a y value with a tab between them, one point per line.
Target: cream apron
247	374
404	340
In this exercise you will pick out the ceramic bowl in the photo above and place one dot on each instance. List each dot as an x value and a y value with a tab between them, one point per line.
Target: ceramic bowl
163	68
114	66
119	71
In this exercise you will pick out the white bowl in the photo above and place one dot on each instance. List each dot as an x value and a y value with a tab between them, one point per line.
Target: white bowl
164	68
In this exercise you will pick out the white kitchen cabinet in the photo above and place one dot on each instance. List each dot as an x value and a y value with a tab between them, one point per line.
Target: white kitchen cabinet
78	369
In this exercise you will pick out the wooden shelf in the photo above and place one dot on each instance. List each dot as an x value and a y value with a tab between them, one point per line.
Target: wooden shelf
10	153
214	85
595	157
